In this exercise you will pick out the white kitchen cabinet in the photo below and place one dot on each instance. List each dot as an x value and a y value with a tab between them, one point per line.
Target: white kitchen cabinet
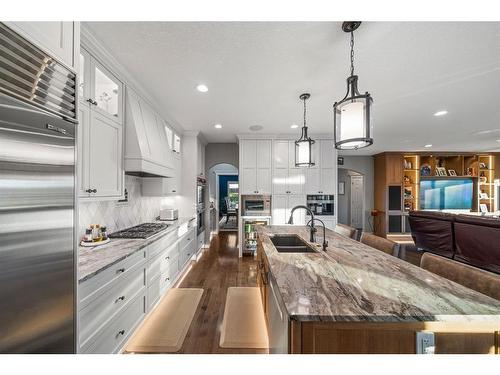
248	181
160	186
321	179
99	88
328	180
201	160
282	206
58	39
287	179
105	162
328	153
255	166
313	181
100	160
280	154
83	170
113	302
248	158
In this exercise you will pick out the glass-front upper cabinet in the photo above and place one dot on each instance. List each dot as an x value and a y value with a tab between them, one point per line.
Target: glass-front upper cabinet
99	88
83	76
177	144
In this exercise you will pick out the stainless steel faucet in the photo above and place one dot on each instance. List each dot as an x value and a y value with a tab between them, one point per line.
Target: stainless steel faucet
325	242
313	229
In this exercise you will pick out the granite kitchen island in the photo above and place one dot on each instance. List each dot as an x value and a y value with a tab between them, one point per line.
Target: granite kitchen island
352	298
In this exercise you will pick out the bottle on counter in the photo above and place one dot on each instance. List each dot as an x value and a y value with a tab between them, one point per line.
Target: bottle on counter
104	233
88	235
96	232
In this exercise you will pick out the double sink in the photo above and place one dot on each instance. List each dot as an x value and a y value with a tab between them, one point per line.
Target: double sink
291	243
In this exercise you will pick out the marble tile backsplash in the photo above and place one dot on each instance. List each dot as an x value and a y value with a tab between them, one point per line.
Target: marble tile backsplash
116	216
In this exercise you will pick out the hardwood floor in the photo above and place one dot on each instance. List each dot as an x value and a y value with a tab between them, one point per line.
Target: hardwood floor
218	269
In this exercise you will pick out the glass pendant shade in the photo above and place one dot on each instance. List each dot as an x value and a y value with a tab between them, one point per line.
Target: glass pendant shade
304	150
352	121
304	146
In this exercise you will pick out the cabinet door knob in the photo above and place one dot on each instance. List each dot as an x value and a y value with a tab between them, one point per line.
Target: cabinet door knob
93	190
90	101
167	257
88	191
122	332
121	298
174	191
167	279
94	102
120	270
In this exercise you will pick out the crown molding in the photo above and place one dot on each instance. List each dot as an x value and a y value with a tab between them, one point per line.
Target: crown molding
90	42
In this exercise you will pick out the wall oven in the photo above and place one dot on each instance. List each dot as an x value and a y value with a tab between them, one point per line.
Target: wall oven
200	193
321	204
256	205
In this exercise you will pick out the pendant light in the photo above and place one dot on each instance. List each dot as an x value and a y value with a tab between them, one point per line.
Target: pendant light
352	121
303	147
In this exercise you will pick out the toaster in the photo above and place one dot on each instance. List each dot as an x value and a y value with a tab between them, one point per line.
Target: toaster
169	214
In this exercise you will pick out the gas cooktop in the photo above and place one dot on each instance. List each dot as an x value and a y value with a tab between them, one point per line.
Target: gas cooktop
145	230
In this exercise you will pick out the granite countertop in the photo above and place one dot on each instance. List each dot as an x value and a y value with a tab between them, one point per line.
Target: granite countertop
92	260
354	282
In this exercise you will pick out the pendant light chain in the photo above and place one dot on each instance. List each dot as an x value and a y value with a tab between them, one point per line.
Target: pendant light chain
352	53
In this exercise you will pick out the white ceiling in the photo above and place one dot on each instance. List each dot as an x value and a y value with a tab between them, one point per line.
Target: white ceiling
256	71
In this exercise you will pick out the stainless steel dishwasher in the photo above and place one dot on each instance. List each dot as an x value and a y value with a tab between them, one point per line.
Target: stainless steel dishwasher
278	320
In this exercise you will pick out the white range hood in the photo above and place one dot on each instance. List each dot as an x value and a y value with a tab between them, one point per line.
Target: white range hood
147	150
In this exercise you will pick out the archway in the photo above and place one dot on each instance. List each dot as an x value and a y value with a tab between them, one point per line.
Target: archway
223	197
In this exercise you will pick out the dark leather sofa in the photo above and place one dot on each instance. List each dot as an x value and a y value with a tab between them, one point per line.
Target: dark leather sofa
473	240
477	241
433	231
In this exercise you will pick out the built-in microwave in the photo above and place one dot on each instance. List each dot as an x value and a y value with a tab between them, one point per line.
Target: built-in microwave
256	205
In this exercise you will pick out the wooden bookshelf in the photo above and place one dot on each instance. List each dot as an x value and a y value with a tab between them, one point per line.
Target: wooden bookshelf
404	170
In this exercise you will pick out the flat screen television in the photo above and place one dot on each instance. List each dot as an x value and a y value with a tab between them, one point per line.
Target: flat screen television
446	194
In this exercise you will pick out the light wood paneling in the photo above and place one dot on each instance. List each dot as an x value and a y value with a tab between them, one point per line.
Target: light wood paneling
393	338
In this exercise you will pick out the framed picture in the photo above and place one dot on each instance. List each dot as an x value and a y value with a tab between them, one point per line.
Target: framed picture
341	188
452	172
441	171
483	207
483	196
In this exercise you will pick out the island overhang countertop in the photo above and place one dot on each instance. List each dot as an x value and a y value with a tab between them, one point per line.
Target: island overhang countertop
352	282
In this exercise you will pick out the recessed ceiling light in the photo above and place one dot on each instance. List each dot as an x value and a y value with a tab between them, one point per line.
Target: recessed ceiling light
218	126
427	146
255	128
294	126
440	113
202	88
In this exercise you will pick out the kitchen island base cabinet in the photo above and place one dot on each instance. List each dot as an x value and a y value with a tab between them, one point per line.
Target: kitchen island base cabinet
390	338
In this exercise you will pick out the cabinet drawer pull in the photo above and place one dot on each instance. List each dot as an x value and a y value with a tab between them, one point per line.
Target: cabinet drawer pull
121	332
167	279
120	270
167	257
174	191
121	298
189	239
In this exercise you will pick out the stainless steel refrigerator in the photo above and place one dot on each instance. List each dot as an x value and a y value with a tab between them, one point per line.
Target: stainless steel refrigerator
37	200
